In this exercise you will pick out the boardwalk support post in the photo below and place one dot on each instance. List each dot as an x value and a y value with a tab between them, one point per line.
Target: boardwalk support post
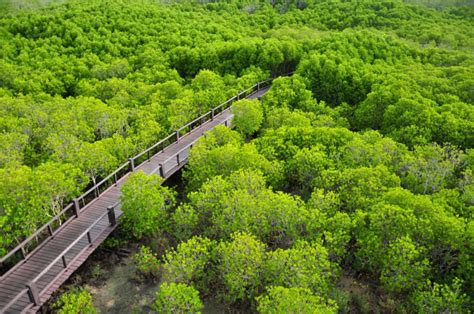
76	207
33	292
111	214
89	238
225	123
132	165
162	172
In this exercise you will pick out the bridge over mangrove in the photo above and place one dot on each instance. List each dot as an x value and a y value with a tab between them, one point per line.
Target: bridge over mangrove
38	266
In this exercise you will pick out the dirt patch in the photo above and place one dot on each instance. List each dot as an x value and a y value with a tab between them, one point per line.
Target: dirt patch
361	297
121	292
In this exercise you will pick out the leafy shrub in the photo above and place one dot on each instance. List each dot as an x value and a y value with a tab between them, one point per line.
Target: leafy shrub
220	136
242	202
305	265
248	116
189	263
441	298
357	187
178	298
145	204
289	92
147	263
292	301
185	222
404	266
75	301
240	265
222	152
207	163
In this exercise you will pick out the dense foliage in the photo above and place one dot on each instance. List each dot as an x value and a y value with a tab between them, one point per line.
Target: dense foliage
75	301
292	300
145	204
147	263
177	298
359	165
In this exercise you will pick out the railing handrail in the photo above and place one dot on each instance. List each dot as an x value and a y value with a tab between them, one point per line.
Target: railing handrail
98	185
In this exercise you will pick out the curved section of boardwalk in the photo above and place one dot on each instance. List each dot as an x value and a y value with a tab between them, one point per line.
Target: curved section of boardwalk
30	283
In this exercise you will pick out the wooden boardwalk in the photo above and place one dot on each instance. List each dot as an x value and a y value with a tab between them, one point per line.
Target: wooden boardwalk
30	283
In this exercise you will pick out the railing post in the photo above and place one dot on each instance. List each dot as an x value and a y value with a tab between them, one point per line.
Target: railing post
50	230
177	158
76	207
111	214
23	252
33	292
115	178
212	114
225	122
177	135
89	237
64	261
258	86
132	165
162	173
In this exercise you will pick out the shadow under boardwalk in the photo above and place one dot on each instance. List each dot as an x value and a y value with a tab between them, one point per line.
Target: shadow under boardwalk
45	265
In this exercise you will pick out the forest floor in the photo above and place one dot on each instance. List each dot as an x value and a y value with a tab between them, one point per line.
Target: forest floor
121	292
361	298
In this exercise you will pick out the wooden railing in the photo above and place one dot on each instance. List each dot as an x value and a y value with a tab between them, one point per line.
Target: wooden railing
74	209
